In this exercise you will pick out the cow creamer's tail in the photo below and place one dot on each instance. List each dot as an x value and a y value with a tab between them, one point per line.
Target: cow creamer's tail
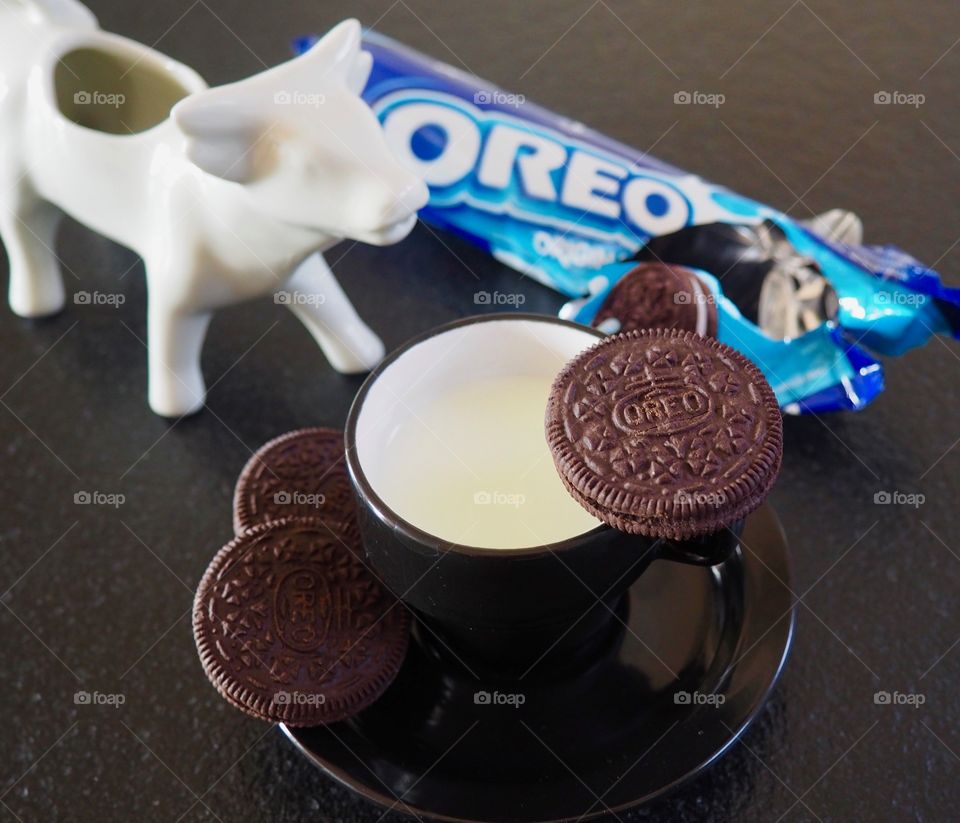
67	13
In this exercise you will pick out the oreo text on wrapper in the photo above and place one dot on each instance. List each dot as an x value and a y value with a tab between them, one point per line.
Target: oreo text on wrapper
577	210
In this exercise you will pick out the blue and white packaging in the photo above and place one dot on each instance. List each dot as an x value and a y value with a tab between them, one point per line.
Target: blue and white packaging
571	208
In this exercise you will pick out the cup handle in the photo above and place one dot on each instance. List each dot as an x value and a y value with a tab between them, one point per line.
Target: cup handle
708	550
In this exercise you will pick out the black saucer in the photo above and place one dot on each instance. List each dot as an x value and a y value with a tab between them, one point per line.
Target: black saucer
700	651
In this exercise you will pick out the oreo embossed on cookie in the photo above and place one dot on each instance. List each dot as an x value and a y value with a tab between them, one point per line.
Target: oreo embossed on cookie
299	474
659	296
665	433
292	627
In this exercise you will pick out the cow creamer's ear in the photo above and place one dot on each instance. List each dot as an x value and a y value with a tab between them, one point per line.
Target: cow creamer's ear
221	133
335	53
360	72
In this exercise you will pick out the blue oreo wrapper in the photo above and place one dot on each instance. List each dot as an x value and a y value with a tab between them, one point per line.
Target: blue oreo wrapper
576	210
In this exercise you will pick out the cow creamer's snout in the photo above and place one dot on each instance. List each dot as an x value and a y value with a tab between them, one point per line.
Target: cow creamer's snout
387	212
409	200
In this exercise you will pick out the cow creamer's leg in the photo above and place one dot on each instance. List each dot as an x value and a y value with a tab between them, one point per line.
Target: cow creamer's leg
174	341
314	295
29	229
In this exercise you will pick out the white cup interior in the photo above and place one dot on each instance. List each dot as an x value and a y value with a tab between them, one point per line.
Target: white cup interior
482	349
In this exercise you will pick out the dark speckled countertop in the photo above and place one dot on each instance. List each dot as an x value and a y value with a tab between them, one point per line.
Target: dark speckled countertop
97	598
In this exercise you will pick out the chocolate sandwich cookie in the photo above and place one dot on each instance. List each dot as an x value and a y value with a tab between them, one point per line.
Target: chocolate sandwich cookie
660	296
299	474
665	433
292	627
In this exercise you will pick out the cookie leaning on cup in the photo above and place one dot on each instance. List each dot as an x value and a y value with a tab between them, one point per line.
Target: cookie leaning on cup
291	627
665	433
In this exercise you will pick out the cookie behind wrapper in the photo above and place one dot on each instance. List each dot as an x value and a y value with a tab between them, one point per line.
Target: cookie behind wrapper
659	296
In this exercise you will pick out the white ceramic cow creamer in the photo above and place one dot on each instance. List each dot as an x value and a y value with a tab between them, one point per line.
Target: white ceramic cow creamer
226	193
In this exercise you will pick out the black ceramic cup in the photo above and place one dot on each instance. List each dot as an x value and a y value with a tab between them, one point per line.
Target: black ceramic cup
494	608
